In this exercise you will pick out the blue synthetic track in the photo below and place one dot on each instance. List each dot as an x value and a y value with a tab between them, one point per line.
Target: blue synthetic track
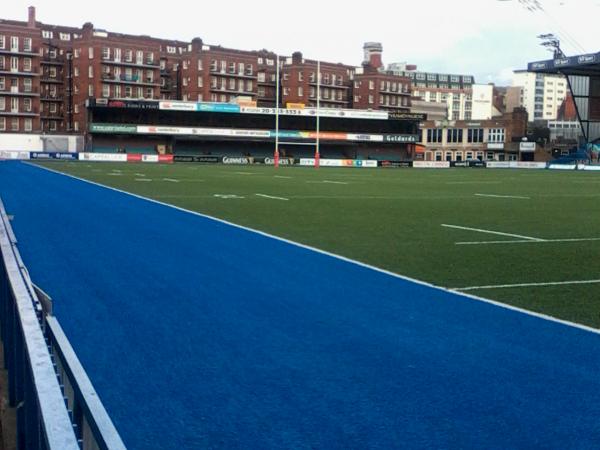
197	334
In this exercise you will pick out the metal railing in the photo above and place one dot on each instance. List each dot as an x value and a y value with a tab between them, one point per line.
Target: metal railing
56	405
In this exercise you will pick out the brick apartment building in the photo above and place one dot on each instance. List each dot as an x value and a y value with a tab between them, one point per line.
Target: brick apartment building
47	73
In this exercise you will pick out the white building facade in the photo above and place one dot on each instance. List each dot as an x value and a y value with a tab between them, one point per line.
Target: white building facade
542	94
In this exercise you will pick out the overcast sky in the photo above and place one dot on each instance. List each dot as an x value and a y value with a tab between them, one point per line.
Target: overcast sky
486	38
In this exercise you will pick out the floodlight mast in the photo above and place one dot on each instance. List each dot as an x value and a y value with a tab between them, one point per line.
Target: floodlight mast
552	43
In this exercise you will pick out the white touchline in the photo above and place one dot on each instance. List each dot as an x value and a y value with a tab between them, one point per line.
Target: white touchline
503	196
274	198
143	179
332	255
281	176
479	230
505	286
540	241
171	180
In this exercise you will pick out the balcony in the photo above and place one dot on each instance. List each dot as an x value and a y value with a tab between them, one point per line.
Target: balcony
144	64
396	92
32	73
16	93
227	73
51	98
329	85
52	61
49	80
52	116
8	51
17	113
125	79
225	90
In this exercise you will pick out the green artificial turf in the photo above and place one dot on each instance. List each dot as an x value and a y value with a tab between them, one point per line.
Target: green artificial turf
391	218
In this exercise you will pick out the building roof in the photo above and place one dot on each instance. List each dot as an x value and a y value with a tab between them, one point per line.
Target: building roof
582	65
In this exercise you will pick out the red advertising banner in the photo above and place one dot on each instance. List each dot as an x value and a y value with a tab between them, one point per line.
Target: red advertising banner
134	157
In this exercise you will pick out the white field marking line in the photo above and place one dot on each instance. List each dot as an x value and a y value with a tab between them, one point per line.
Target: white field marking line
333	255
140	174
272	197
327	182
507	286
281	176
499	233
502	196
114	174
541	241
245	173
171	180
143	179
474	182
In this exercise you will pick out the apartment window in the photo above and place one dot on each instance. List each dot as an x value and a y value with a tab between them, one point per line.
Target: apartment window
356	99
105	52
27	85
14	43
26	64
371	100
286	76
261	77
200	82
27	104
28	124
214	65
64	36
475	135
52	107
185	81
76	71
313	92
14	124
139	57
90	72
14	104
232	84
14	64
2	62
2	103
300	76
249	86
261	92
76	108
286	91
91	52
199	97
27	44
2	41
75	125
213	82
223	66
199	64
150	58
105	90
128	56
117	91
149	76
149	93
434	135
185	65
76	53
382	86
140	92
371	85
213	97
300	91
223	98
2	124
356	84
454	135
90	91
249	70
496	135
171	49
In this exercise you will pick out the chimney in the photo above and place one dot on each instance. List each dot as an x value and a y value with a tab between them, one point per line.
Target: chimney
373	52
31	18
297	58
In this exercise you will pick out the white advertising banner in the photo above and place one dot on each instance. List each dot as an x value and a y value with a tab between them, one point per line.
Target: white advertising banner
150	158
431	164
527	146
106	157
562	166
13	154
527	165
497	164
